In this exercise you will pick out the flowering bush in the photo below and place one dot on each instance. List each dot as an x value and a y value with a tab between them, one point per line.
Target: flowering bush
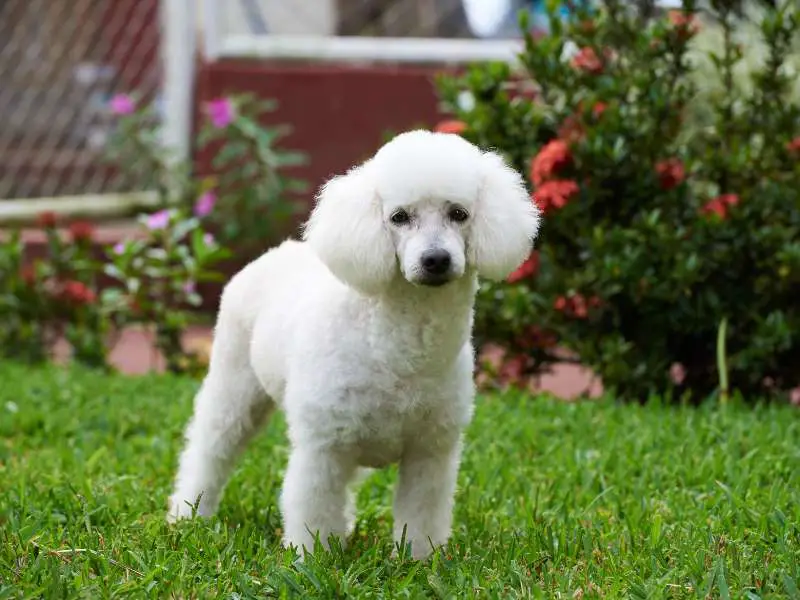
52	297
156	277
248	200
150	280
669	256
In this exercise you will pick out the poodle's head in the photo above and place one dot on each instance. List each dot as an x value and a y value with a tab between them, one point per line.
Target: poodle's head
428	207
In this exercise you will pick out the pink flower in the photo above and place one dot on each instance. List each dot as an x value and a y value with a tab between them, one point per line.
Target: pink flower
189	287
205	204
221	112
158	220
119	248
208	239
122	104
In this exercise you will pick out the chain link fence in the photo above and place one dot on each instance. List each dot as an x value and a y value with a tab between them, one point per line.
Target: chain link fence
60	63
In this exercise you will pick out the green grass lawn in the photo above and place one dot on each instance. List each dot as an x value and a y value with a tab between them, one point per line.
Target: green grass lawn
556	500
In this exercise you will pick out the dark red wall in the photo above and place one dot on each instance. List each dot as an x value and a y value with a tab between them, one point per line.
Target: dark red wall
338	114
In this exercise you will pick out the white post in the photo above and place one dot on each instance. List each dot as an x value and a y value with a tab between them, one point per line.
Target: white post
212	28
178	45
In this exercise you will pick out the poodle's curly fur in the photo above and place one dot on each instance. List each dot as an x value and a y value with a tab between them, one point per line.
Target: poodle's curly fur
361	333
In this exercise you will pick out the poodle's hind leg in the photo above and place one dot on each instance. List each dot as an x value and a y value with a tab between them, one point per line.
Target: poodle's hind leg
350	510
228	410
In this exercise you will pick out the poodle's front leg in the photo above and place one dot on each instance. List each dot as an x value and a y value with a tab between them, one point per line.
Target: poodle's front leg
424	498
315	497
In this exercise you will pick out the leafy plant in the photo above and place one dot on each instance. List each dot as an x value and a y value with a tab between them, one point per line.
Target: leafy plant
157	276
53	296
248	199
655	230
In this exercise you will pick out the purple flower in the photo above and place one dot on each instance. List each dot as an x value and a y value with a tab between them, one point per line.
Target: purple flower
122	104
221	112
208	239
189	287
119	248
158	220
205	204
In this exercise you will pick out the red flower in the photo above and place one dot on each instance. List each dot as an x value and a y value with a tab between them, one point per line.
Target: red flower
598	109
536	337
576	305
555	194
794	145
28	274
579	306
76	292
571	130
47	219
81	231
686	25
719	205
452	126
553	157
527	269
670	173
587	60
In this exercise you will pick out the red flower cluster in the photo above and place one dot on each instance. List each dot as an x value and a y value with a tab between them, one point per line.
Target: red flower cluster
572	130
794	145
587	60
555	194
553	157
452	126
552	193
527	269
685	24
81	231
28	274
536	337
47	219
77	293
598	109
670	173
576	305
719	205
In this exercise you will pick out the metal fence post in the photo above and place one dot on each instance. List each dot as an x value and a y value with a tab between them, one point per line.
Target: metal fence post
178	51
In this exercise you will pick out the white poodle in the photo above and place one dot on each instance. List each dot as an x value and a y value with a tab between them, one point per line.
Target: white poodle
362	335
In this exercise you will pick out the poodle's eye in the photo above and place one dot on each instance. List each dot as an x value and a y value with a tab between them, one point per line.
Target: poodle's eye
458	214
400	217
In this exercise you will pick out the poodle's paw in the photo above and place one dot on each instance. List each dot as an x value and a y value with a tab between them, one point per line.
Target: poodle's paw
350	529
419	550
179	509
307	544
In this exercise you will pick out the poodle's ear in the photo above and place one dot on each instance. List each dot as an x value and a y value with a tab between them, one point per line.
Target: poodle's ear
506	220
347	231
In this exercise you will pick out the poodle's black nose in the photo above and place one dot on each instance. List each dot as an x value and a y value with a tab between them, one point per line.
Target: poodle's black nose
436	262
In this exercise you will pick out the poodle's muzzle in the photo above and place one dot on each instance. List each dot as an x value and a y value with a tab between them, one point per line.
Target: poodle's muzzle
436	267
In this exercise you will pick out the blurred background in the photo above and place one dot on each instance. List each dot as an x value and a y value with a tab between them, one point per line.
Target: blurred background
343	71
